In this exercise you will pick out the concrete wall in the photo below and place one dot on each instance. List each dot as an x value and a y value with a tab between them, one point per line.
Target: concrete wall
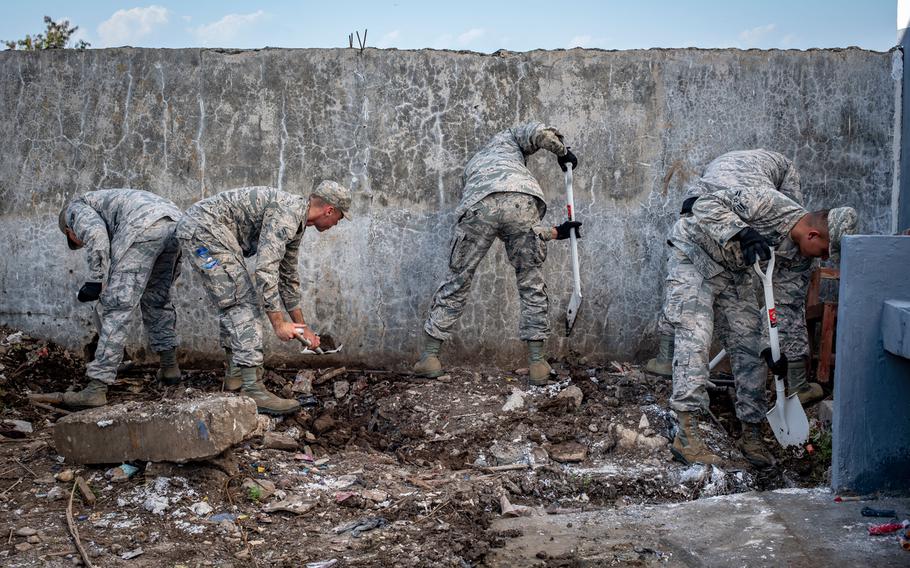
871	426
399	126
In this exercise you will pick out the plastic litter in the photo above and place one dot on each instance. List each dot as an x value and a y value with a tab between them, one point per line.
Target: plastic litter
870	512
361	526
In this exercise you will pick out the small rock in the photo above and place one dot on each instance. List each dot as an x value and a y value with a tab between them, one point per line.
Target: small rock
121	473
303	382
262	488
23	547
22	426
34	539
343	482
376	495
644	423
293	432
278	441
568	452
201	508
572	392
444	378
539	456
515	401
612	402
65	476
341	389
44	480
263	424
592	427
505	453
628	438
26	531
309	436
523	371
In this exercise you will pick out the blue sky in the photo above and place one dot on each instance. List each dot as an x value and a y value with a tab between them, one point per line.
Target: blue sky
467	24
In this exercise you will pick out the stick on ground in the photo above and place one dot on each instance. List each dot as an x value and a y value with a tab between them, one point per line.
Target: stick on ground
74	531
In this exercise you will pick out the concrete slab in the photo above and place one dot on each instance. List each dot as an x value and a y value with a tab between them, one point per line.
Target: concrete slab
164	431
790	527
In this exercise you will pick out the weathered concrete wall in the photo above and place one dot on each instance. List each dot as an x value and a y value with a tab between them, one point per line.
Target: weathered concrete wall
399	126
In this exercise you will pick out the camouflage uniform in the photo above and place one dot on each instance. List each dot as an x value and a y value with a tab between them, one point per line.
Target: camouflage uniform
501	199
710	271
217	233
129	238
756	169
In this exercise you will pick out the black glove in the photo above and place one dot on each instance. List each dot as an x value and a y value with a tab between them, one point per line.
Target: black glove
569	158
780	367
753	245
563	231
89	292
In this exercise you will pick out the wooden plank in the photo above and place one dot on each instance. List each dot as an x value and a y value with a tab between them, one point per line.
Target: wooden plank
826	346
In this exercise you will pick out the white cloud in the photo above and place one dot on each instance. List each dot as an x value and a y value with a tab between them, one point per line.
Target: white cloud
751	37
226	29
387	40
587	41
126	26
789	41
469	36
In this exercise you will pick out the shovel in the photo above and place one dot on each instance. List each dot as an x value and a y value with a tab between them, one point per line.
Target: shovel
319	350
787	417
575	300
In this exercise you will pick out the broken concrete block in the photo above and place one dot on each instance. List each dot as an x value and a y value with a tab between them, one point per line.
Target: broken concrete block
159	431
341	389
505	453
515	401
568	452
278	441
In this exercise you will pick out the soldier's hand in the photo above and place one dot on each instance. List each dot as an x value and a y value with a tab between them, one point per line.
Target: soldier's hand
308	336
286	330
754	246
779	367
569	158
563	231
89	292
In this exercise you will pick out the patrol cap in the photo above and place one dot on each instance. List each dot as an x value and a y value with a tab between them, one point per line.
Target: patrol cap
841	221
335	195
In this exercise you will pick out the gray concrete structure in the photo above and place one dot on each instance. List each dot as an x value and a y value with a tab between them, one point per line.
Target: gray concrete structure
399	126
871	425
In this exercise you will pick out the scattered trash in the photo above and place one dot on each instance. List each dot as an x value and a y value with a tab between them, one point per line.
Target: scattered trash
121	473
361	526
221	517
322	563
510	510
20	426
12	339
886	528
870	512
292	504
104	423
132	553
308	401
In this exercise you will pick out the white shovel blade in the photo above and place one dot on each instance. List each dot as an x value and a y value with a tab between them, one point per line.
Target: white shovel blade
788	421
572	312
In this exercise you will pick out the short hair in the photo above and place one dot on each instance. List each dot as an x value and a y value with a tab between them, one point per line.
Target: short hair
318	201
818	220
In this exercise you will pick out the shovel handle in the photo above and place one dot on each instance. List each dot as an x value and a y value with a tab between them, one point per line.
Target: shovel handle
770	313
573	240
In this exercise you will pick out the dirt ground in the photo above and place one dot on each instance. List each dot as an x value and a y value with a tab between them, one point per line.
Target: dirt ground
421	467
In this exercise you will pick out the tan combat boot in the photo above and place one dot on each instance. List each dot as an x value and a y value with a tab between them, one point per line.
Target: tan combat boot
688	447
266	402
662	364
808	393
93	395
538	368
169	372
753	447
232	379
429	365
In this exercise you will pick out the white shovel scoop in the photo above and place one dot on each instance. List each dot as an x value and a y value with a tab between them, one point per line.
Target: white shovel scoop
787	417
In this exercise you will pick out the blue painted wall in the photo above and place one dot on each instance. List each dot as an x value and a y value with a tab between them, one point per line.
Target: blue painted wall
871	426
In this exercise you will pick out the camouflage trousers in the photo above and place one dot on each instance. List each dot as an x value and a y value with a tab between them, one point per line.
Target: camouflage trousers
790	285
511	217
728	298
229	286
143	275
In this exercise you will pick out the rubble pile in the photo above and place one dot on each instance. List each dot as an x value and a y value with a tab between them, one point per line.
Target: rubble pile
379	469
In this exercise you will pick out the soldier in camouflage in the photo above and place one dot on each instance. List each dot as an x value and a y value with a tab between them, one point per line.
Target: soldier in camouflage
714	250
217	233
501	199
133	259
752	169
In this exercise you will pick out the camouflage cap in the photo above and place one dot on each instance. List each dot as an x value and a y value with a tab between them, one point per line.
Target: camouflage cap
63	223
335	195
841	221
